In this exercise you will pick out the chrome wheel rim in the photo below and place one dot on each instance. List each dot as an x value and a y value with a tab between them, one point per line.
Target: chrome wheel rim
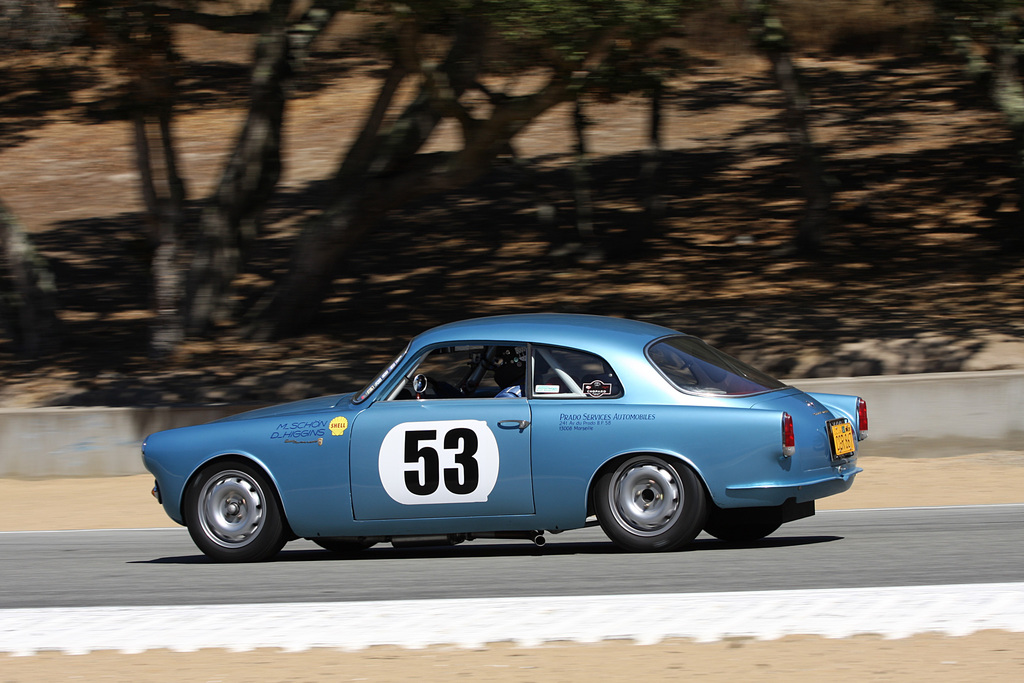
645	496
231	509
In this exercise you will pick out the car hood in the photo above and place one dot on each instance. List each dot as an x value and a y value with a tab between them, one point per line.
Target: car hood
309	405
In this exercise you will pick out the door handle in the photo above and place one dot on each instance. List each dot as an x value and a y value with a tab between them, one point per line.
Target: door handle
520	424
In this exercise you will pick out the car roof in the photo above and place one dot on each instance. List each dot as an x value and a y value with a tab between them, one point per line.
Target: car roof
591	332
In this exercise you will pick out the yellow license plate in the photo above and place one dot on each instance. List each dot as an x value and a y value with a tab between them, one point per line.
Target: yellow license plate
842	438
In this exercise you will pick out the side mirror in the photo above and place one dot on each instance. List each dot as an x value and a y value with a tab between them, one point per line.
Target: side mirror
419	384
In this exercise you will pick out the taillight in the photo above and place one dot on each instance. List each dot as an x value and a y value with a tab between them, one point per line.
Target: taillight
862	419
788	436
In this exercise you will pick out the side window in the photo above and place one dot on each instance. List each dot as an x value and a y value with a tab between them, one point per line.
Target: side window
569	373
448	371
468	371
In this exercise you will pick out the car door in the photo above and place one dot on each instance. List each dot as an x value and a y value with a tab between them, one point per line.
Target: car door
442	458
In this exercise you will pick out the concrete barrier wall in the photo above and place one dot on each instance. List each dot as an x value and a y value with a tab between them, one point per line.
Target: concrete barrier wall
910	415
87	442
937	414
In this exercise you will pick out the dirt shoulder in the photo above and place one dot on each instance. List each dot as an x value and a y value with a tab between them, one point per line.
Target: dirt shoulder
987	656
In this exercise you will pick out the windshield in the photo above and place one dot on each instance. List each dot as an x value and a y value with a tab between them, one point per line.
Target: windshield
693	366
379	379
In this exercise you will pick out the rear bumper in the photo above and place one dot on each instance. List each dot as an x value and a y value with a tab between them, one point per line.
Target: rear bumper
777	493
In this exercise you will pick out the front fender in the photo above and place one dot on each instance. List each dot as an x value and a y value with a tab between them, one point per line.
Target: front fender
309	472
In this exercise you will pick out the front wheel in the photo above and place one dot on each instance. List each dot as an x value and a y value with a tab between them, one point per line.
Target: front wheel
649	503
233	515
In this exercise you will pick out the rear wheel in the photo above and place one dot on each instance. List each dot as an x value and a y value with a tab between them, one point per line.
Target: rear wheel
233	515
649	503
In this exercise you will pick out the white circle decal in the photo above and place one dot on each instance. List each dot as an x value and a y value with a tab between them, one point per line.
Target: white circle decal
449	461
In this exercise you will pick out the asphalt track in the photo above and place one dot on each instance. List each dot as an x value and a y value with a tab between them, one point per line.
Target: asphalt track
835	549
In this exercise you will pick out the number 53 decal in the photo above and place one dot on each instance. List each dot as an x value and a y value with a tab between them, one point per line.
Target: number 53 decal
452	461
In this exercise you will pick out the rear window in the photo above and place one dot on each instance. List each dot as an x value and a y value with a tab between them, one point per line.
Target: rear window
693	366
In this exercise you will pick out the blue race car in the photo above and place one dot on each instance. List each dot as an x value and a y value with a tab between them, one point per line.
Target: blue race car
510	427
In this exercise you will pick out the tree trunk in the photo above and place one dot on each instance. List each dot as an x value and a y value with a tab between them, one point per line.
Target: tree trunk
812	227
366	187
581	177
143	45
164	194
149	55
398	176
232	220
650	168
817	196
32	317
360	154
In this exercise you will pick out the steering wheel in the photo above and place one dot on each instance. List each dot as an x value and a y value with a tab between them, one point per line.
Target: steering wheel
421	384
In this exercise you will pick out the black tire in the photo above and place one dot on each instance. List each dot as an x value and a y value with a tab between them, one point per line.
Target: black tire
343	545
232	513
649	503
742	525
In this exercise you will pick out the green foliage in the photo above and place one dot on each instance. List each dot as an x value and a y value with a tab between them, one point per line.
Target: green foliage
540	30
570	27
564	21
614	42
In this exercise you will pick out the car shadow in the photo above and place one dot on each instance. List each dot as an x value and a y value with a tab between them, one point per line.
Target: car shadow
490	549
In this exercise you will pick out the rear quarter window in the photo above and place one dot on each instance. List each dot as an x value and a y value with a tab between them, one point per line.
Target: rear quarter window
570	373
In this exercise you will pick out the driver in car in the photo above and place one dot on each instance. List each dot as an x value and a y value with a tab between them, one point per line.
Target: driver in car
510	374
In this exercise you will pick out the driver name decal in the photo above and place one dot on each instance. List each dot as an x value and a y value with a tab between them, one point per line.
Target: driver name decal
448	461
306	429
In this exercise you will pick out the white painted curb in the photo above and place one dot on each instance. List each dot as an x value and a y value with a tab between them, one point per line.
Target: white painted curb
893	612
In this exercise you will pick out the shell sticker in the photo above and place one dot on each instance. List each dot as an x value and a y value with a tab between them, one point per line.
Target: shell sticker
338	426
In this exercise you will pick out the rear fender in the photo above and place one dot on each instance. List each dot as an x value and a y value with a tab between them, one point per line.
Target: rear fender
720	445
841	405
